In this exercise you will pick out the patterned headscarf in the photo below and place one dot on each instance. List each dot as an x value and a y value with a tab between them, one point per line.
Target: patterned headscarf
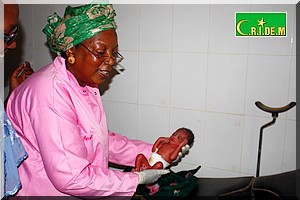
79	23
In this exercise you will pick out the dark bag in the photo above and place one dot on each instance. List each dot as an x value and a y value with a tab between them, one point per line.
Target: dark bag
173	185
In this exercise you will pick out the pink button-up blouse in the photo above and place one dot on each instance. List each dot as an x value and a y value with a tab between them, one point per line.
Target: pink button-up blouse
63	129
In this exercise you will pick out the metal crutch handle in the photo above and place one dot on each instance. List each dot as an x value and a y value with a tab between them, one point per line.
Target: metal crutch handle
272	110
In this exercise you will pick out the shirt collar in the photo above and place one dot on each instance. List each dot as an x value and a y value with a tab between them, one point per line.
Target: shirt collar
62	63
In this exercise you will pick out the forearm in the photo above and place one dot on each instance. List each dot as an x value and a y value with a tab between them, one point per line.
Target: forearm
124	151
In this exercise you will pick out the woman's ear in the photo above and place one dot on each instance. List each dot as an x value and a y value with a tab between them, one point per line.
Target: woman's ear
70	52
70	55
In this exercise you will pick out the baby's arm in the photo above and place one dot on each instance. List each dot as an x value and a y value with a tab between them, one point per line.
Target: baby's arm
159	142
175	153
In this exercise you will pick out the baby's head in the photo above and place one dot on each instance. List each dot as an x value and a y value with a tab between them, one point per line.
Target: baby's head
181	134
190	135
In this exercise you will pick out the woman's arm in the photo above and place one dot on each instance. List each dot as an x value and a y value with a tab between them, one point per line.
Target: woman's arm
124	151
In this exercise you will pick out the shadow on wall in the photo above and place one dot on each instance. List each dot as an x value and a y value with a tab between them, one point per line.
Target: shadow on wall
105	86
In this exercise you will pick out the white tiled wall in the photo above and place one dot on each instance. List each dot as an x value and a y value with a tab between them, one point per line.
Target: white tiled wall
185	67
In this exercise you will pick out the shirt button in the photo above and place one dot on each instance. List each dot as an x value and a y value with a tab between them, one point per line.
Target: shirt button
95	93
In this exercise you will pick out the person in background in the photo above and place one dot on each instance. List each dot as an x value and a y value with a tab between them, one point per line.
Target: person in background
11	29
14	152
63	126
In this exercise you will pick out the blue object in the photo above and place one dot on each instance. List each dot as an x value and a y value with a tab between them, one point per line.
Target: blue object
14	154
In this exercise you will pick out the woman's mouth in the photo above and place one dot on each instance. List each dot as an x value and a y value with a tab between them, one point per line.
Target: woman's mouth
103	73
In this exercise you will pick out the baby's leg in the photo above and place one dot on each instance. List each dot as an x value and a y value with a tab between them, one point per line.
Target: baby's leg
158	165
141	163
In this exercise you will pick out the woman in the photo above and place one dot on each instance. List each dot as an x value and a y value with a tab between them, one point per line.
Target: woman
59	115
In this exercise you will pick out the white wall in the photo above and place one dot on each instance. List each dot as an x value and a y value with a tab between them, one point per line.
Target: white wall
185	67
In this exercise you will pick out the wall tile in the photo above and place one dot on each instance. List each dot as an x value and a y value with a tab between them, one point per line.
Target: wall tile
155	27
104	92
273	148
226	83
190	29
251	128
127	20
223	141
188	84
39	19
294	39
154	78
26	31
105	104
124	87
41	58
273	45
153	122
289	162
267	81
60	8
123	119
222	29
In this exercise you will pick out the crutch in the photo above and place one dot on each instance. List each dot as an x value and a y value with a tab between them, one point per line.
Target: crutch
274	112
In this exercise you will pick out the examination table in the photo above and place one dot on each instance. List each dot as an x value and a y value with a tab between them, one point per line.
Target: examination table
282	186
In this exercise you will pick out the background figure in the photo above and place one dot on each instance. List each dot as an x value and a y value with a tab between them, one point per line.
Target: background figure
166	150
11	31
14	152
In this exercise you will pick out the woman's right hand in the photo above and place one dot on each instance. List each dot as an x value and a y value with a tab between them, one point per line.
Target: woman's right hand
151	175
19	75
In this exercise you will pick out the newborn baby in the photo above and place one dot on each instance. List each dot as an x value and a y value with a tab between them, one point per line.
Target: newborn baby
166	150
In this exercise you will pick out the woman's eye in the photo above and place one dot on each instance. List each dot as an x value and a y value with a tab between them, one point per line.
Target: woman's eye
100	53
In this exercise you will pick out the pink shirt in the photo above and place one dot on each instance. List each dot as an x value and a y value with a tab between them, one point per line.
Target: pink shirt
63	129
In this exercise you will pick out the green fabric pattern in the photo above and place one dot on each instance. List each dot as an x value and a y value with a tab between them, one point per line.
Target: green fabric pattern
78	24
173	186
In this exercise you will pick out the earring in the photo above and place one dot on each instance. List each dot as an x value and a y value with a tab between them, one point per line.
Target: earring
71	59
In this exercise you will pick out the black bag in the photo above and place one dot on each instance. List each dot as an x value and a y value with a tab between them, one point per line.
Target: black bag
174	185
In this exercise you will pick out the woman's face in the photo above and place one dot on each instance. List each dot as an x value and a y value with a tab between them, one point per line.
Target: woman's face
94	58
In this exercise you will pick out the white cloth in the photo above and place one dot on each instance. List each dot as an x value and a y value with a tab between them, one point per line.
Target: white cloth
155	157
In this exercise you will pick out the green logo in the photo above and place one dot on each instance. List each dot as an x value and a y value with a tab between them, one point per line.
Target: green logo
259	24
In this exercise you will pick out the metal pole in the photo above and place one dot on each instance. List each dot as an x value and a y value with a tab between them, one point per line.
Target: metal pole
274	115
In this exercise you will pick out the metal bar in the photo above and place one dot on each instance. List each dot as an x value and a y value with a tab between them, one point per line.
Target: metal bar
275	115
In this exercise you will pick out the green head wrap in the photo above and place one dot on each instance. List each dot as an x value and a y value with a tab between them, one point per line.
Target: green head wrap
79	23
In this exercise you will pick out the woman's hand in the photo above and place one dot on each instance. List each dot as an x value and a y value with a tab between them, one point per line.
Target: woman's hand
19	75
183	148
151	175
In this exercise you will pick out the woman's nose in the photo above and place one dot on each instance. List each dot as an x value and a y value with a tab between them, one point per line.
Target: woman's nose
111	60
